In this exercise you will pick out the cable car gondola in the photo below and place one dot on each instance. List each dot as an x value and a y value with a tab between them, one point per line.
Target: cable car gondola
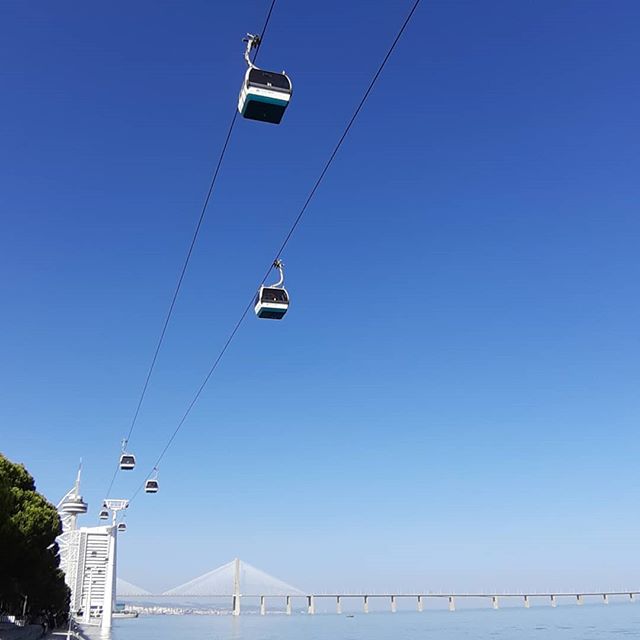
104	514
127	461
264	95
151	485
272	302
122	527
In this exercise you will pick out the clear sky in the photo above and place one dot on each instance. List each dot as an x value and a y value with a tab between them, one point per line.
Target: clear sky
452	400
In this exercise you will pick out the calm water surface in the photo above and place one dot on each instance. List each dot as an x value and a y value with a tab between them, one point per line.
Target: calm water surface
595	622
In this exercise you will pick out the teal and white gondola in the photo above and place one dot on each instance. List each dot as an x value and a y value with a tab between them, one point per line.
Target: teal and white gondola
264	95
272	302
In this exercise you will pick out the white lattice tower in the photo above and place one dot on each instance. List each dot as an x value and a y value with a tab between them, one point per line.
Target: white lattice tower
72	505
69	508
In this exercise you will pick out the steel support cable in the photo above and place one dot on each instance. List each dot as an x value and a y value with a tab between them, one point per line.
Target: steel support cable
283	245
187	258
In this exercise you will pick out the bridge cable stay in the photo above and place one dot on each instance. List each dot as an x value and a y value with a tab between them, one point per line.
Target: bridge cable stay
234	576
285	242
124	587
187	259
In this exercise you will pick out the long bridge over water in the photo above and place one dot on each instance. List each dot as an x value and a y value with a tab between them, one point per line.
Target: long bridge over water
88	558
237	580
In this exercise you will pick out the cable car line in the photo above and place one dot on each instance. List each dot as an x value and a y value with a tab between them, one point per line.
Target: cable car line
186	261
196	396
287	238
346	131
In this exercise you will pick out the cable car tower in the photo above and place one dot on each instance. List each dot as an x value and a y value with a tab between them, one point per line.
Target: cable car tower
114	506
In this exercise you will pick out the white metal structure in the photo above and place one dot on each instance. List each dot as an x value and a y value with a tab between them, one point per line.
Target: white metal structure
264	95
69	508
92	588
272	302
88	559
115	506
72	505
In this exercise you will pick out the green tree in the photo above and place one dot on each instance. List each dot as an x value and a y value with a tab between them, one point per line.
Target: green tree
29	560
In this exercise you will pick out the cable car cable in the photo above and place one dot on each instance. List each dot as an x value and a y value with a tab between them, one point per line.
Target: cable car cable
196	396
283	245
346	131
188	256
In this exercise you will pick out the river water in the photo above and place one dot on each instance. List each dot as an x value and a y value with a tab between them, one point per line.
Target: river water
589	622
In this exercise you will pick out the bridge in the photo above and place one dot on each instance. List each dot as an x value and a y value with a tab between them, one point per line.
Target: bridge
238	579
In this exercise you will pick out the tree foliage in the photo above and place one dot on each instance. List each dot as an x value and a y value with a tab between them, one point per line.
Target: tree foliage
29	560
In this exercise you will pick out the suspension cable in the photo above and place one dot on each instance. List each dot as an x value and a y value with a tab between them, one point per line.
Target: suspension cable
187	259
296	222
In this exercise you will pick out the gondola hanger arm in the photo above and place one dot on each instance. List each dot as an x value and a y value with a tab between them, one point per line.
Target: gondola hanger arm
253	42
280	267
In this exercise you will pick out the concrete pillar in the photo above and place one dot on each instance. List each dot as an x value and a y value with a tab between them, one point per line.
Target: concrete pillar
109	581
579	599
87	607
311	605
494	602
288	605
263	606
236	587
394	607
420	604
365	604
338	605
553	601
527	604
452	603
605	597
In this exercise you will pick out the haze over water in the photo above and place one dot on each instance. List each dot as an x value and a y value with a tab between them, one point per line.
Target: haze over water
590	622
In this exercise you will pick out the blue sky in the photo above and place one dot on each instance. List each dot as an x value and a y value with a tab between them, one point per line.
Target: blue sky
451	401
